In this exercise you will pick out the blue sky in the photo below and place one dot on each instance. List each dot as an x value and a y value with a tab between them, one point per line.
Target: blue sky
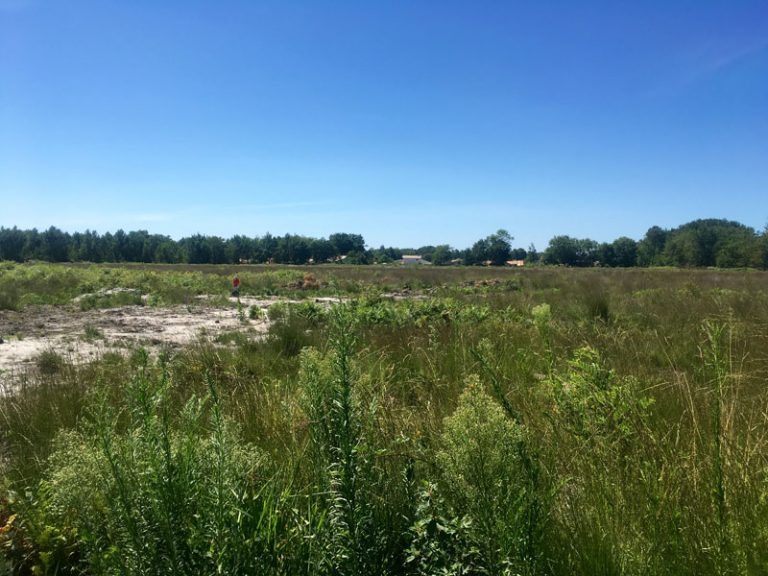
411	122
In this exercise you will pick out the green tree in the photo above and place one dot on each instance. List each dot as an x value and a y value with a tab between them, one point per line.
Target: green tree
710	242
532	256
499	247
736	251
478	254
265	248
55	245
197	249
425	252
494	249
107	248
562	250
624	252
239	248
760	258
33	246
167	252
441	255
518	254
301	250
87	247
119	246
651	248
344	243
11	244
568	251
320	250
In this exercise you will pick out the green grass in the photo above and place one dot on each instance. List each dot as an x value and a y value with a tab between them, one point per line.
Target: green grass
543	421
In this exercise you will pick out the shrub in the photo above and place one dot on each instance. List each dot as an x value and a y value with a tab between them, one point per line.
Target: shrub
91	333
484	477
10	299
174	493
289	335
365	528
115	299
255	313
594	405
442	544
49	362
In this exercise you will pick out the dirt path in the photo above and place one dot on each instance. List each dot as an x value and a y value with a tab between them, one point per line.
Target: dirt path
81	335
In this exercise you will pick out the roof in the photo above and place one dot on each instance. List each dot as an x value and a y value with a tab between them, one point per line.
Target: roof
413	259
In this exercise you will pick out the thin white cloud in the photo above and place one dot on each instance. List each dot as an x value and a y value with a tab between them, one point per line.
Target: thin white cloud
712	60
734	54
707	61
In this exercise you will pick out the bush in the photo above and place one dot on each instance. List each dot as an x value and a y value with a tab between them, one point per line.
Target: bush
10	298
595	406
442	544
484	477
49	362
173	493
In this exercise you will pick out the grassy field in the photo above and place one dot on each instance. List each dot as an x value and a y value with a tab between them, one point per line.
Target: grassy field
441	421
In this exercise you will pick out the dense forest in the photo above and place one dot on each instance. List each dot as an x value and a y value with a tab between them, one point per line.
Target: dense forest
709	242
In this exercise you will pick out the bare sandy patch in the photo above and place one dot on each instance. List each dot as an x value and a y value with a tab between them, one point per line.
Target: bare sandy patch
81	336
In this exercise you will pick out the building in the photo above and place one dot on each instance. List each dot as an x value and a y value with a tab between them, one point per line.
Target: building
517	263
411	259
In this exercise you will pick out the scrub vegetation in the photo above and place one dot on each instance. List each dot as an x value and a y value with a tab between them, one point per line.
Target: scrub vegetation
437	421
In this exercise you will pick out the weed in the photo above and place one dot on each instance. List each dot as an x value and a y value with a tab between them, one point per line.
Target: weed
485	478
91	333
49	362
289	335
158	498
624	438
10	299
255	313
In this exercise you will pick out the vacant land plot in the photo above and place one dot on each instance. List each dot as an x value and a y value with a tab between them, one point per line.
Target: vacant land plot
84	335
376	420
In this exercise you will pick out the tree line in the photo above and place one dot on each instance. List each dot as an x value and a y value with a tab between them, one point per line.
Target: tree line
700	243
709	242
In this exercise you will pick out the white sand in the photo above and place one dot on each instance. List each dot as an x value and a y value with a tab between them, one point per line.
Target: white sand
84	335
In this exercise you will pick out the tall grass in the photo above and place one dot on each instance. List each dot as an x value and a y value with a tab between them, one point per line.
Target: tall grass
569	422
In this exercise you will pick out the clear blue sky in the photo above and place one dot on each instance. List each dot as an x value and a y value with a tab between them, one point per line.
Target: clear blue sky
410	122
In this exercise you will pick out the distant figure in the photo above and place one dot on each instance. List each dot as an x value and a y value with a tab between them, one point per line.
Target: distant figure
236	286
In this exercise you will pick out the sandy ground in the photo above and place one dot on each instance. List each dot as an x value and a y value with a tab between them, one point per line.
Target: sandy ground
81	335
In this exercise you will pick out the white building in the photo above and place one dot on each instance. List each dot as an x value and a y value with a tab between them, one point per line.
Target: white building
410	259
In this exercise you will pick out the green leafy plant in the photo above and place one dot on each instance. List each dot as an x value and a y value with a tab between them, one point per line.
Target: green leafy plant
484	477
169	494
91	333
